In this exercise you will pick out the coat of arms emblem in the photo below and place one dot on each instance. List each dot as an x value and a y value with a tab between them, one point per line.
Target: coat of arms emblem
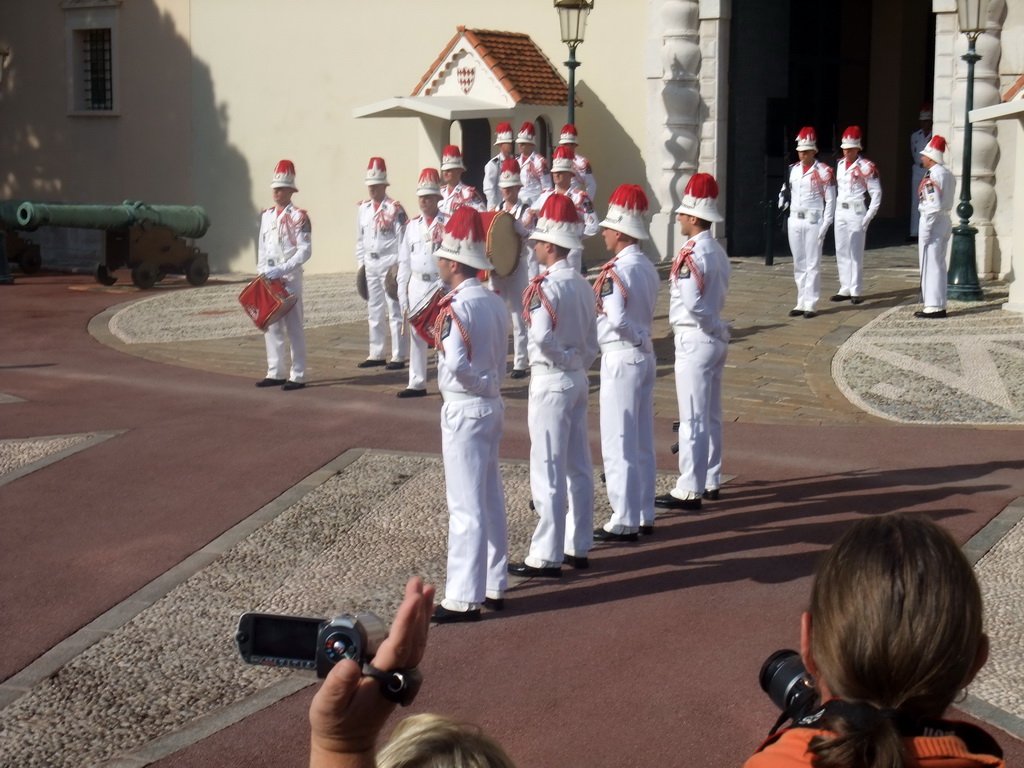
467	76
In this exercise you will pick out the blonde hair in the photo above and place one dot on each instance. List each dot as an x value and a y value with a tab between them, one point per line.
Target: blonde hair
896	622
435	741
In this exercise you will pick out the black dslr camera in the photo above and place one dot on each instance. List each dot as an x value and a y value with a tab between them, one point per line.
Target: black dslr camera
298	642
788	685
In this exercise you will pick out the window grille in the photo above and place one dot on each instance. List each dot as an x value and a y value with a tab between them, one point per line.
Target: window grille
97	69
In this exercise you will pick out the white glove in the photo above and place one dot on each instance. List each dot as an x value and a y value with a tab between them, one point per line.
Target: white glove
273	273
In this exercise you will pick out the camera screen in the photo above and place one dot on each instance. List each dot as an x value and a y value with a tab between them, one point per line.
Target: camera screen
284	637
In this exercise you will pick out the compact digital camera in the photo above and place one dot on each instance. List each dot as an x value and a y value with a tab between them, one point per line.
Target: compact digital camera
298	642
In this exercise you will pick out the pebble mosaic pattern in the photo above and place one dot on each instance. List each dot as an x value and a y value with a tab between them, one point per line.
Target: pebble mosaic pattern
17	454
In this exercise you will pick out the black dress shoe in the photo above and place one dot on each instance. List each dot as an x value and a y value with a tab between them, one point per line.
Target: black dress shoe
576	562
522	569
412	393
518	373
270	382
290	385
444	616
711	494
856	300
668	501
647	530
494	603
931	315
395	365
533	507
810	313
795	312
840	297
602	535
372	363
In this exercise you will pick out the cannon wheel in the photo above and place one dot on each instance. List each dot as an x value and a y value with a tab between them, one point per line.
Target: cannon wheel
145	275
197	272
103	276
29	260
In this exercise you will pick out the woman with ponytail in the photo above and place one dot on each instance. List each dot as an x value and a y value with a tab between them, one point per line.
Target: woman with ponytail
892	635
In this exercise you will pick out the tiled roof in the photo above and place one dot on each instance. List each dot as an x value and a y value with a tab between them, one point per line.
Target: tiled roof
1015	89
517	62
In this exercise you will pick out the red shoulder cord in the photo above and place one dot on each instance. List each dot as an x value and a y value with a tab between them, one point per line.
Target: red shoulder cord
608	273
446	311
686	257
534	290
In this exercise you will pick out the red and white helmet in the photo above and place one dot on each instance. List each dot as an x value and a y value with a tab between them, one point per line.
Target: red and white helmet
451	158
376	172
429	183
465	240
568	135
851	138
626	210
284	175
562	159
807	139
559	222
503	133
701	198
510	174
926	111
936	147
527	134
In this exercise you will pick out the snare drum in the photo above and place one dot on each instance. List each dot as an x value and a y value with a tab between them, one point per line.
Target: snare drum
423	316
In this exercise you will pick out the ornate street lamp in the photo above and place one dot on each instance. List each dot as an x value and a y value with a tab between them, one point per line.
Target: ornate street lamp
962	277
572	17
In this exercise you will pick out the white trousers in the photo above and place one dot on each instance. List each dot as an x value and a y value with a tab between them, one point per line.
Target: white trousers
627	437
850	233
511	291
700	361
477	527
806	250
561	472
418	351
384	311
292	325
931	247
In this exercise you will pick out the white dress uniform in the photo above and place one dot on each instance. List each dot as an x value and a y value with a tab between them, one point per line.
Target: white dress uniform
583	176
698	285
461	194
562	345
378	234
936	194
418	276
511	288
472	343
918	141
588	219
492	175
627	291
533	170
812	208
853	214
285	241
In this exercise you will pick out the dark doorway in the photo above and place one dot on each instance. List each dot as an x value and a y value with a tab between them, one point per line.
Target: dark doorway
476	150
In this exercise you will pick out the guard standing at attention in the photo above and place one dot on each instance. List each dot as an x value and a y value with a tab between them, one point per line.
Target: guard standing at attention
455	194
471	335
562	176
533	167
492	171
284	245
698	284
380	224
417	271
936	196
810	195
583	174
856	178
918	141
627	291
563	345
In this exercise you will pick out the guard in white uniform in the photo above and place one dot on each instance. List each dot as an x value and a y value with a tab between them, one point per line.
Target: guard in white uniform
284	245
627	291
533	167
563	345
511	288
380	224
937	194
856	178
417	272
492	171
471	338
918	141
810	195
583	174
562	175
455	194
698	284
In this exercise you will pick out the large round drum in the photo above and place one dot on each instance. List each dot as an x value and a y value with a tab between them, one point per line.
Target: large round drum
503	243
391	282
423	316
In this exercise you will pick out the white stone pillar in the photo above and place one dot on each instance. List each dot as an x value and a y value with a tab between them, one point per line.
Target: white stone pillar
714	96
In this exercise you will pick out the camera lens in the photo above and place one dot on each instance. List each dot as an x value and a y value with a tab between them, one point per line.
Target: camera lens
787	683
338	646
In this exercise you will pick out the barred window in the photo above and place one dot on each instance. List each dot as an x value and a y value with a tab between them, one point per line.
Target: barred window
97	69
91	56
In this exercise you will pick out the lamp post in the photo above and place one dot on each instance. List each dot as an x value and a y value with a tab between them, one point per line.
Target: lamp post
572	17
962	277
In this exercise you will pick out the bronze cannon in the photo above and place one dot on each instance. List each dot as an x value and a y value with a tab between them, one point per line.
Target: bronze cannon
18	250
